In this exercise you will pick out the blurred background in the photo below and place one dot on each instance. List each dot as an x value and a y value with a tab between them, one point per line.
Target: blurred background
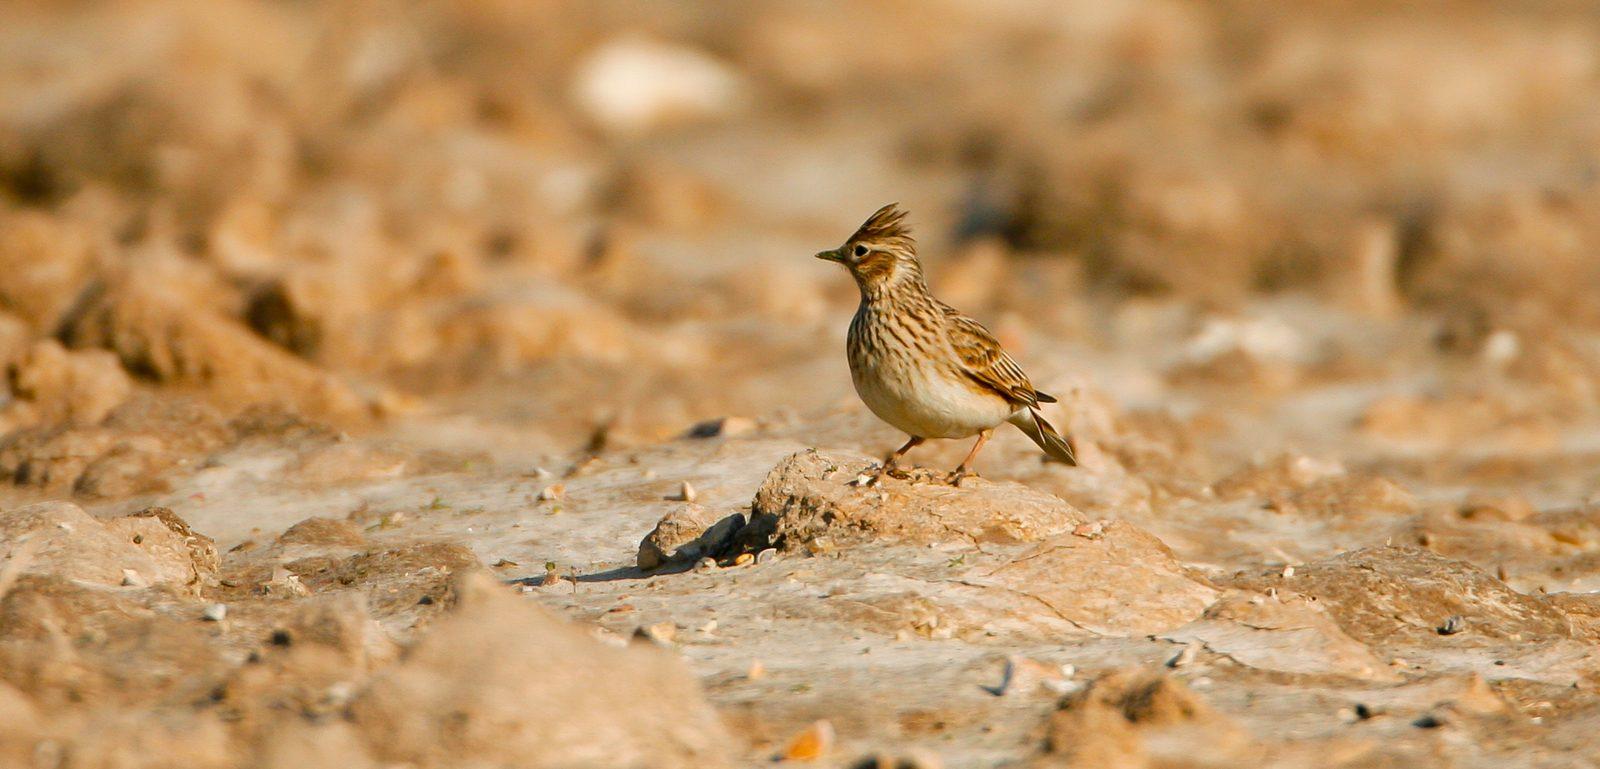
539	224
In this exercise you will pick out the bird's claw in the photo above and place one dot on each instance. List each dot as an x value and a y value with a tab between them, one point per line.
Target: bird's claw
955	477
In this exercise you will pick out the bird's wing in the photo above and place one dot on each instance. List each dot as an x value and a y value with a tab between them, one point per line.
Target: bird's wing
984	360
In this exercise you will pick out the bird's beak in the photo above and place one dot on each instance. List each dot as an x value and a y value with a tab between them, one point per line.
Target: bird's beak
831	256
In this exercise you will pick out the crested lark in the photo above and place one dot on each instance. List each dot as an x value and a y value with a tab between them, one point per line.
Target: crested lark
921	365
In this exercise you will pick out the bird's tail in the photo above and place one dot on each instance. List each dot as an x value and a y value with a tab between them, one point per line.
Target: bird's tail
1032	423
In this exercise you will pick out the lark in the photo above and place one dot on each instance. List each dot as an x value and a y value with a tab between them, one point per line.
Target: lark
921	365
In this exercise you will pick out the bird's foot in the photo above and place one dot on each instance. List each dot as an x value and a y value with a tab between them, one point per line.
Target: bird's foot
956	476
873	475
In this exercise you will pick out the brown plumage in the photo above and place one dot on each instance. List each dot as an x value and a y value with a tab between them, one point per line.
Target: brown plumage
922	366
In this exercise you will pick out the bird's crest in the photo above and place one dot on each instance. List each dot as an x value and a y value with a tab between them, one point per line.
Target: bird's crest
886	225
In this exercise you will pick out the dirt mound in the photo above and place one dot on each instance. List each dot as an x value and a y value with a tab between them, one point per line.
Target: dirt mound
503	682
1140	718
812	494
160	334
148	548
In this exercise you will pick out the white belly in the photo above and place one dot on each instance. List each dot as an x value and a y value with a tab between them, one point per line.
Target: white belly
927	406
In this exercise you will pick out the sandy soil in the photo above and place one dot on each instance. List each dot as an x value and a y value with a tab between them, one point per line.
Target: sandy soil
360	358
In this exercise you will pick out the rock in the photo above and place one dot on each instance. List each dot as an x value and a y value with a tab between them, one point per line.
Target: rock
186	556
501	681
163	335
75	387
395	580
44	263
724	427
1384	595
1140	718
808	495
687	534
1288	634
811	743
633	85
1123	582
155	545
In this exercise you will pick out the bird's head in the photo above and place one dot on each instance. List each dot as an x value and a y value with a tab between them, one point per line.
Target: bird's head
881	253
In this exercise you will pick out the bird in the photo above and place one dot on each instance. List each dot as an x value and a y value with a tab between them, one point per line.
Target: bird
921	365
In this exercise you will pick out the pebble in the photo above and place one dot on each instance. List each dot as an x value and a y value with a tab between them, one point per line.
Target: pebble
726	427
1184	657
131	578
215	612
706	565
1452	625
686	493
811	743
660	634
552	492
1090	530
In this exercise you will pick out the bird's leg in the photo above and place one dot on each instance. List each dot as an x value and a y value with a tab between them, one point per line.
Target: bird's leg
965	468
892	461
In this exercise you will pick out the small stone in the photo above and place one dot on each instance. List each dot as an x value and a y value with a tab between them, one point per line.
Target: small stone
686	535
705	566
215	612
1455	623
660	634
1288	571
686	493
1090	530
1428	721
812	743
284	584
819	546
131	578
553	492
1184	657
505	563
725	427
708	628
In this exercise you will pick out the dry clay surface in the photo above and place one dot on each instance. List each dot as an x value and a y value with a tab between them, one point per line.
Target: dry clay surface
461	619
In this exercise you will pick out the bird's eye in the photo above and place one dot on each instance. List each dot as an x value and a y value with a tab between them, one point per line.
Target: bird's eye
860	250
